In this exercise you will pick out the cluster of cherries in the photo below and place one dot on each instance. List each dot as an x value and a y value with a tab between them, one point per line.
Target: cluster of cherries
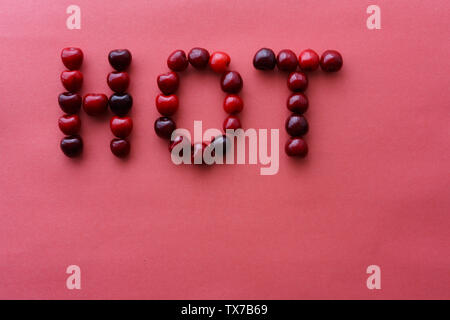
287	61
95	104
167	102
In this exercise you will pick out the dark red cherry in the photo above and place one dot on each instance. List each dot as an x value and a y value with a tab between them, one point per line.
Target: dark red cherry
164	127
296	125
70	102
120	103
72	146
232	123
120	147
72	58
119	59
198	58
287	60
220	143
308	60
95	104
331	61
231	82
296	147
298	103
177	61
264	59
69	124
233	104
121	127
297	81
219	62
197	150
168	82
166	105
72	80
118	81
179	140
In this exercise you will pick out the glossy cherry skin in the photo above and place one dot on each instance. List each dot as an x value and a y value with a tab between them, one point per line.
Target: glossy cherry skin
179	140
164	126
296	147
197	151
222	142
118	81
120	59
231	82
296	125
308	60
72	80
297	81
69	124
233	104
298	103
198	58
331	61
120	147
95	104
166	105
72	58
232	123
219	62
264	59
168	82
72	146
121	127
177	61
287	60
120	103
70	102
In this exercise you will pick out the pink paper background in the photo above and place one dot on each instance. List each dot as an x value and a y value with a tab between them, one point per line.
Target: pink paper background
373	190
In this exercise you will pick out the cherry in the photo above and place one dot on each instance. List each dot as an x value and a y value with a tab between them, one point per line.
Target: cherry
119	59
233	104
72	58
179	139
296	125
197	151
297	81
118	81
167	105
264	59
69	124
232	123
168	82
69	102
220	142
121	127
298	103
231	82
72	146
287	60
120	103
120	147
198	58
164	126
95	104
331	61
308	60
72	80
296	147
177	61
219	62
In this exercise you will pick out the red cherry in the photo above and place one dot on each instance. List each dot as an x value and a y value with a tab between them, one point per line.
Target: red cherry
166	105
231	82
198	58
331	61
118	81
296	125
287	60
298	103
179	139
308	60
197	151
232	123
70	102
233	104
219	62
177	61
72	80
69	124
119	59
95	104
72	58
164	126
296	147
297	81
264	59
121	127
168	82
72	146
120	147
